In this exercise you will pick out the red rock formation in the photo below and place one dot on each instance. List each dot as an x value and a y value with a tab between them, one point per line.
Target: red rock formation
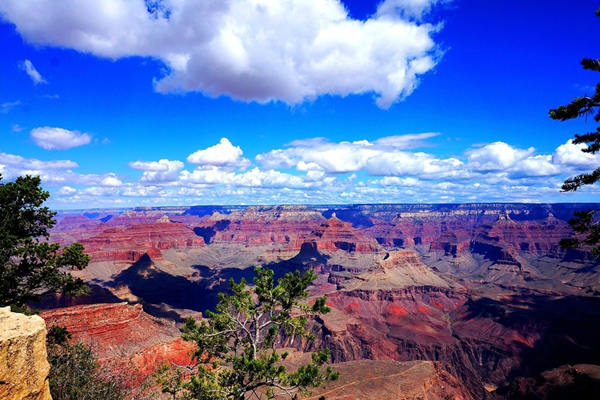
336	235
123	336
130	243
260	225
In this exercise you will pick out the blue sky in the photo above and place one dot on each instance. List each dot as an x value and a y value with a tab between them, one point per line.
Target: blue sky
253	102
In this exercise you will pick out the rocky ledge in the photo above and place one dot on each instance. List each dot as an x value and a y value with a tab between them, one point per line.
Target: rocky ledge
124	337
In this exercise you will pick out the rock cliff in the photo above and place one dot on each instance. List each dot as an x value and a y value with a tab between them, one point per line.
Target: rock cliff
123	336
23	360
128	244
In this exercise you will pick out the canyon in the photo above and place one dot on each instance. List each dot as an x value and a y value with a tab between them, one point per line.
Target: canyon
461	301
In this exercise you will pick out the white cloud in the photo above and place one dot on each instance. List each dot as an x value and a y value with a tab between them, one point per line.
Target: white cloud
252	178
540	165
9	105
211	176
496	156
160	171
51	138
382	157
396	181
501	157
67	191
570	154
221	154
423	165
407	141
254	50
16	161
320	171
56	171
111	180
406	8
33	73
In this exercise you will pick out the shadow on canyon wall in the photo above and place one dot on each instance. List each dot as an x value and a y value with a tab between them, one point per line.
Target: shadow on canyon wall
96	294
155	287
567	326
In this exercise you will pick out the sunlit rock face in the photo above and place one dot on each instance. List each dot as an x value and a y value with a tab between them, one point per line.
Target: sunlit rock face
23	360
123	337
335	235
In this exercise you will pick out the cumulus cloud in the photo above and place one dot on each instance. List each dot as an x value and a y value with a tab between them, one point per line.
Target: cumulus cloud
501	157
497	156
67	191
160	171
253	50
389	169
571	154
221	154
384	156
51	138
33	73
54	173
396	181
12	165
252	178
111	180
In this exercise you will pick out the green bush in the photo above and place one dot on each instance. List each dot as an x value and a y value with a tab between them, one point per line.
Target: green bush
74	372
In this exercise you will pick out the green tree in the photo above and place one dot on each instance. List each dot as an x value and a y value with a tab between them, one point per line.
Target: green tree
584	223
236	344
29	264
74	372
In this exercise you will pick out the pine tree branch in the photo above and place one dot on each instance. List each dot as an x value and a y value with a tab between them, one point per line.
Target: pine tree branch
591	64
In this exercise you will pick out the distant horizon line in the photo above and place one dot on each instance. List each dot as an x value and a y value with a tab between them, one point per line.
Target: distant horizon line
141	208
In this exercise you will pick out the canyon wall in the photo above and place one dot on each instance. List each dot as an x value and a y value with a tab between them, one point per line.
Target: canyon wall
123	337
483	291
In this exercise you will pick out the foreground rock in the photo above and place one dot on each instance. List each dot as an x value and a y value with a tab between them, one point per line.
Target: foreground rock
23	360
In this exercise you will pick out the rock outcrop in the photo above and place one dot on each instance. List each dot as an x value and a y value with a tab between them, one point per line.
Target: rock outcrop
23	359
123	336
336	235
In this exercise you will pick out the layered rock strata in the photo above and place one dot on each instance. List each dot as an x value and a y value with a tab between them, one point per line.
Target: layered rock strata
123	336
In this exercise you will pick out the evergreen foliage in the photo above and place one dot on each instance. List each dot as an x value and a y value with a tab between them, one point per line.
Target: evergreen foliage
585	223
236	344
29	264
74	372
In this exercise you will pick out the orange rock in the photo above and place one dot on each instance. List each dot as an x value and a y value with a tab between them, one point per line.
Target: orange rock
123	337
